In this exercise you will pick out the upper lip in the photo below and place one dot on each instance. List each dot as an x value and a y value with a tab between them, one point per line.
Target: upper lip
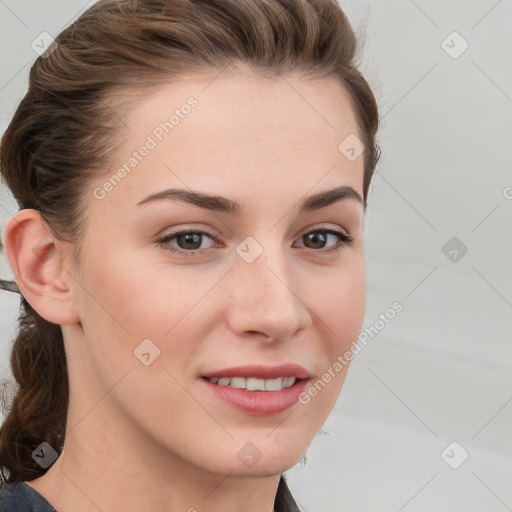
262	372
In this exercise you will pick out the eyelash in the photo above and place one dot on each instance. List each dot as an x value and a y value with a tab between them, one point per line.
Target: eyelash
345	239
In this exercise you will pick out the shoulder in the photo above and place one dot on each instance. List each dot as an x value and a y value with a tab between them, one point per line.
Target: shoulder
21	497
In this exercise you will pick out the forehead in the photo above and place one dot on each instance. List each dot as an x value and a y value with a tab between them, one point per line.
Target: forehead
238	134
227	102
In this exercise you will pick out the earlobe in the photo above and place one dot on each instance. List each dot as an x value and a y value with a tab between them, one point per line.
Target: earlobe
36	259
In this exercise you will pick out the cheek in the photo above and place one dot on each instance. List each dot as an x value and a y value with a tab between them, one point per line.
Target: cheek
126	294
341	306
128	299
116	303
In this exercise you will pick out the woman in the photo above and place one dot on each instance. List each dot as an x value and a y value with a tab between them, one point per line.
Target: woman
192	177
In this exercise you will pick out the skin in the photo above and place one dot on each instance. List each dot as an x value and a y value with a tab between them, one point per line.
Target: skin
149	437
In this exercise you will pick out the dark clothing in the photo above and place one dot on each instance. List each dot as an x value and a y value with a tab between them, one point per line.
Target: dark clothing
22	498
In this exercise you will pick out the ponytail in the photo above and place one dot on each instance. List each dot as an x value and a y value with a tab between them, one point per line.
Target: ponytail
38	411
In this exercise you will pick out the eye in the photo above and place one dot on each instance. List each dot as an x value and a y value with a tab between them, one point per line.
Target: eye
344	239
189	241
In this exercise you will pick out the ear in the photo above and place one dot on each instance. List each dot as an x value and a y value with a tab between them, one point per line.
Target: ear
36	258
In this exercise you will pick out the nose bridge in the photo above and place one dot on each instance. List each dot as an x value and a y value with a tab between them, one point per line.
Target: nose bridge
266	298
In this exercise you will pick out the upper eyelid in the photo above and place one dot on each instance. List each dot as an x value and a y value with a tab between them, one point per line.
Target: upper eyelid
214	237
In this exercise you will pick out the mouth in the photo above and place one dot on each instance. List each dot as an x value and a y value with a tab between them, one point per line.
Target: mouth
258	390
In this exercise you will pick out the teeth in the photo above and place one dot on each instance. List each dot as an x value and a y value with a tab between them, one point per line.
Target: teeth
274	384
253	384
237	382
288	381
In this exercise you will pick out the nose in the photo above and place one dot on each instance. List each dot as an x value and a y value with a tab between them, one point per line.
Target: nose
267	298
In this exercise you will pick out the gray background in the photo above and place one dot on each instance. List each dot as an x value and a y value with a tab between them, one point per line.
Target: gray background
440	371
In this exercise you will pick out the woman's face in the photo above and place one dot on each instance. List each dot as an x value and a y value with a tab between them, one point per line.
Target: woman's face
255	292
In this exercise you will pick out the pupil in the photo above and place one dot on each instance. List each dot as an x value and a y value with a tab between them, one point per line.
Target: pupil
189	238
315	237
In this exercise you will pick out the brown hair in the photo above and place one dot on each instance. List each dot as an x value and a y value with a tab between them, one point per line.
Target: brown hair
69	124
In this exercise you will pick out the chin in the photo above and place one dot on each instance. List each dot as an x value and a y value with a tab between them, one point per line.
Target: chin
262	458
257	458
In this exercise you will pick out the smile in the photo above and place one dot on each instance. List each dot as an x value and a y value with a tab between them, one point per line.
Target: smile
254	384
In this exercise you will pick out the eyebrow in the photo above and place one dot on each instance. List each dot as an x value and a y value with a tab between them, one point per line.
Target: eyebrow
225	205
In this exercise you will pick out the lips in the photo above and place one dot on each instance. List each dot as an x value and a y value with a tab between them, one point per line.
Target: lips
261	395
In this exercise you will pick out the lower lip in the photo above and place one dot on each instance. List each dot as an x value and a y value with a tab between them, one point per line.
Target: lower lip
259	403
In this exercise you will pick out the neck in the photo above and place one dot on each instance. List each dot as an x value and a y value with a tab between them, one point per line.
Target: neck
101	470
